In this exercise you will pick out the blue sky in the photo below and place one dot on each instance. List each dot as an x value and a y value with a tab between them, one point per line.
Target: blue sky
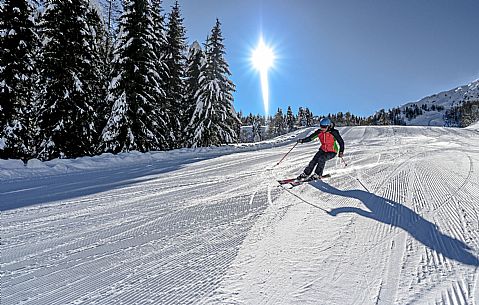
343	55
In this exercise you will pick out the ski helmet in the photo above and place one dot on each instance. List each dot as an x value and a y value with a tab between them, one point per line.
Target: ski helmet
325	122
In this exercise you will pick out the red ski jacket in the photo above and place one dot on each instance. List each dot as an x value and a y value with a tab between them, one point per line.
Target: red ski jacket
331	140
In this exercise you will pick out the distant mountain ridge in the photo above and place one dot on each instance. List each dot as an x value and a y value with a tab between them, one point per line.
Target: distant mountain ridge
444	101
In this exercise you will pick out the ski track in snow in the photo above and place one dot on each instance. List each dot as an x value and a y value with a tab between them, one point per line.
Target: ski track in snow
398	225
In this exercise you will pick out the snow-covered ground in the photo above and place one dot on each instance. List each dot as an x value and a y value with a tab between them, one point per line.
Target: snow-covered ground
474	126
398	225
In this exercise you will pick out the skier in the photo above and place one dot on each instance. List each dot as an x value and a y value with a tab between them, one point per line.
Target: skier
330	139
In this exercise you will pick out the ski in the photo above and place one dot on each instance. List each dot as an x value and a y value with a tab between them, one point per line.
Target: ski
296	182
299	182
286	181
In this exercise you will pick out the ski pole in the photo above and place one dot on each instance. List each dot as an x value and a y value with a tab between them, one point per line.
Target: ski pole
345	164
287	153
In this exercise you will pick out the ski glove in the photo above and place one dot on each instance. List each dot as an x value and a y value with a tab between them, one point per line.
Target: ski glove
340	155
300	141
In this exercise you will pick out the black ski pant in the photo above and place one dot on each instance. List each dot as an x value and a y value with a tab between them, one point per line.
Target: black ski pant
319	160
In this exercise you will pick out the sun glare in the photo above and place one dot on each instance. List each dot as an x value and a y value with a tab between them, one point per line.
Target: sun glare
263	59
263	56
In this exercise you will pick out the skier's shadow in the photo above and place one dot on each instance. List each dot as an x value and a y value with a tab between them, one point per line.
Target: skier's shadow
397	215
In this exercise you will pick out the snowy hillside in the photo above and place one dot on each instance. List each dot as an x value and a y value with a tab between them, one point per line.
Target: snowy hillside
398	225
445	99
474	126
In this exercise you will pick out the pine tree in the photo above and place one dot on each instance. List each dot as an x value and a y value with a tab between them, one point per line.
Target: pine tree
70	78
18	42
301	119
257	132
196	61
98	75
463	114
250	119
160	45
135	121
175	60
159	31
469	113
279	123
347	118
290	119
215	121
308	117
339	120
103	22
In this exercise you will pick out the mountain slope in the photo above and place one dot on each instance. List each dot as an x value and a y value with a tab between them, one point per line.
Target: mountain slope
446	100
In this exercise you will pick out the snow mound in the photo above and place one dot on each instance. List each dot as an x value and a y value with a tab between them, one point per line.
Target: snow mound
474	126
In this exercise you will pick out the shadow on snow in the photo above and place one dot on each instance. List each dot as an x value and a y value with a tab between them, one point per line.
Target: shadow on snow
397	215
34	191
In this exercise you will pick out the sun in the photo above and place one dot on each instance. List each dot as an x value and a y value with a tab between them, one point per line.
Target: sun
263	56
263	59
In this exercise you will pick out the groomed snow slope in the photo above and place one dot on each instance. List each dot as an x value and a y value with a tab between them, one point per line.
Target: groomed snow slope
398	225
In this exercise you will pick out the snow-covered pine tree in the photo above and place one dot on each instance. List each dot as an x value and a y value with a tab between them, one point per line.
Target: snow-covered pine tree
290	119
175	83
215	121
347	118
469	113
257	132
301	119
227	120
195	62
201	120
70	80
279	124
108	11
134	122
98	75
18	42
308	115
160	45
